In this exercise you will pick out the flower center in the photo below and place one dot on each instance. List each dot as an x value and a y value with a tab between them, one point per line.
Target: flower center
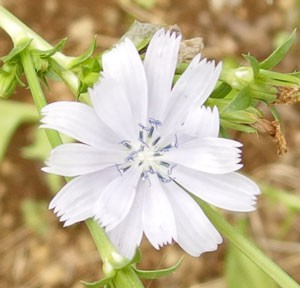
146	153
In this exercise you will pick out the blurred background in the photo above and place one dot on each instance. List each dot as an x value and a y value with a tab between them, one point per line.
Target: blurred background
35	250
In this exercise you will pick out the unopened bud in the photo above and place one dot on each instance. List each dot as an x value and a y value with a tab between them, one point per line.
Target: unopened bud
238	78
40	64
8	80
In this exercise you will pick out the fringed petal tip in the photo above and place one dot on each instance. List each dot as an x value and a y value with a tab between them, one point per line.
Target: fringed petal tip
202	122
214	246
165	242
125	206
60	215
160	242
72	217
51	206
211	65
167	34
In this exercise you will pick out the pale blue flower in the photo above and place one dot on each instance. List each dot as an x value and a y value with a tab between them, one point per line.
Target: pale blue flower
141	138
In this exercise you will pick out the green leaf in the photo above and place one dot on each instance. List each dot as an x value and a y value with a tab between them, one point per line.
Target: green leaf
89	73
247	248
155	274
83	57
42	61
282	78
241	116
242	272
279	53
220	103
237	126
241	101
254	64
136	258
16	50
47	53
290	200
221	91
12	114
97	284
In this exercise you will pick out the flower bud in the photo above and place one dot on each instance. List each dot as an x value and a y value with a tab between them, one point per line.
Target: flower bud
238	78
8	80
40	64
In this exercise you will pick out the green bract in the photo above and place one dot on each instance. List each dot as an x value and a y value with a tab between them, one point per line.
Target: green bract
241	89
122	276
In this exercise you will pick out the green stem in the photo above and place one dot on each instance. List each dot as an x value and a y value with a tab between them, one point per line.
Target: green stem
291	200
248	249
111	259
102	242
127	278
19	33
37	93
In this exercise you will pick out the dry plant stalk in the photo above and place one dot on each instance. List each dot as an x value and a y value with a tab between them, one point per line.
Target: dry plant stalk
273	129
287	95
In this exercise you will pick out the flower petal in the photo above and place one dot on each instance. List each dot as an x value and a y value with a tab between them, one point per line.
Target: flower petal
78	121
116	200
192	88
202	122
75	159
230	191
211	155
124	65
195	233
75	201
158	218
127	236
160	64
112	106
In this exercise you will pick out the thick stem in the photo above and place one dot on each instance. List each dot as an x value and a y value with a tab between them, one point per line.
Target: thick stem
19	33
